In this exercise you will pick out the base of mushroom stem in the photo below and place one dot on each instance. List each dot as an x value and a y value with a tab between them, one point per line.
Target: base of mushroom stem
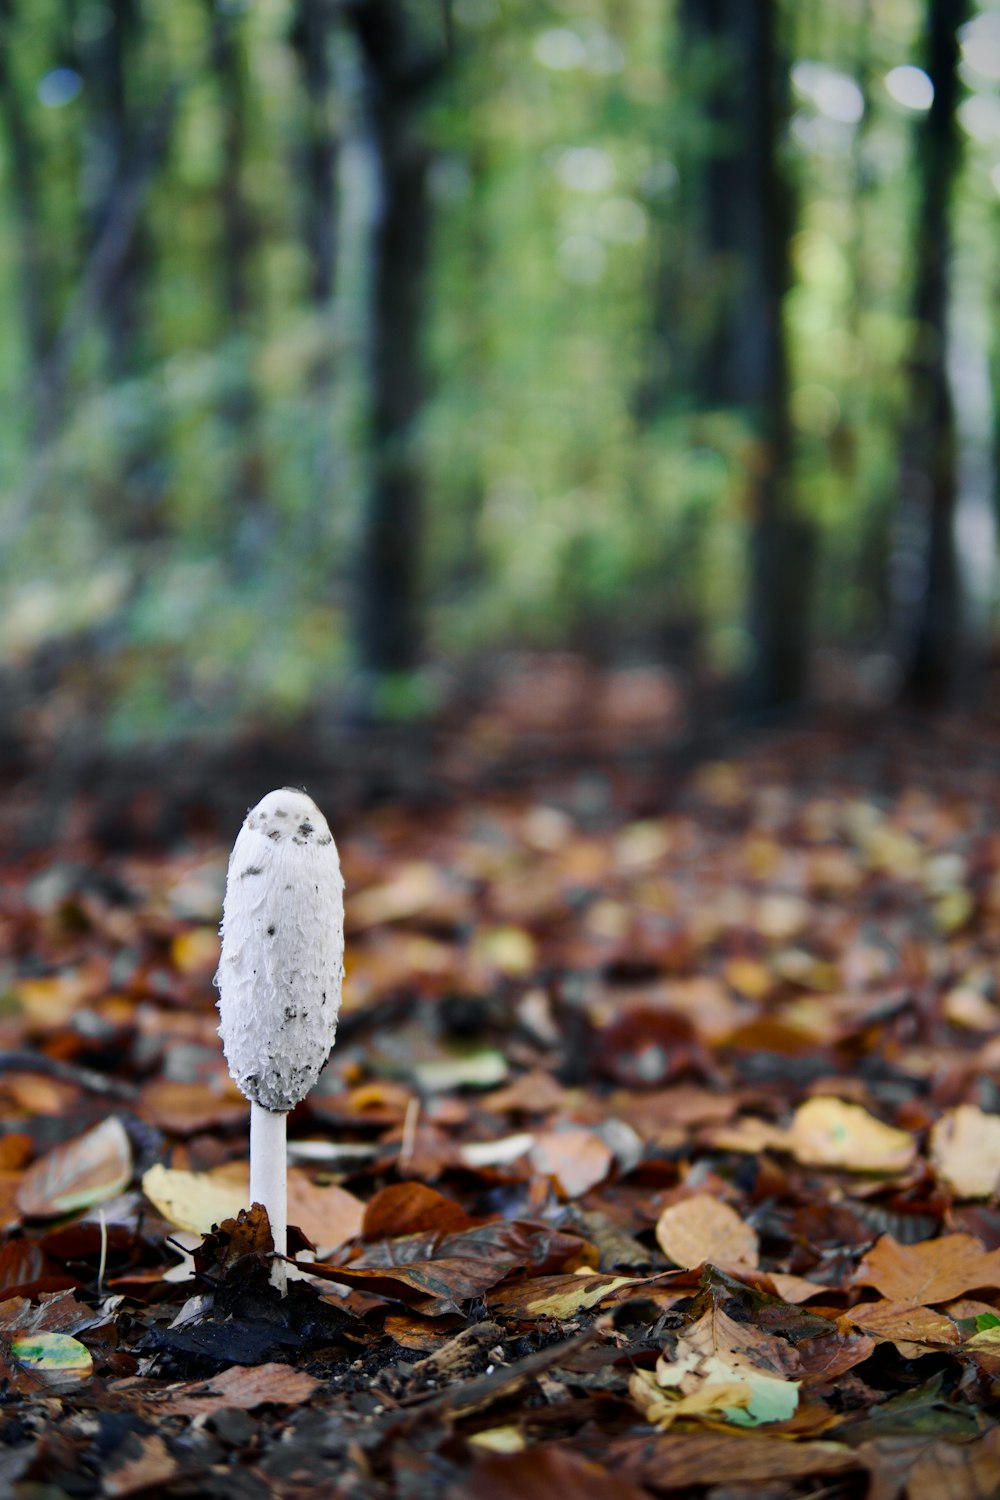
269	1181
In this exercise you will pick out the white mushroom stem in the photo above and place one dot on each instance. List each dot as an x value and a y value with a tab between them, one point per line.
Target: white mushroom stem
269	1181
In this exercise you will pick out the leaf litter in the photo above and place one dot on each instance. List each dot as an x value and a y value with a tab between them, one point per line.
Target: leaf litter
658	1153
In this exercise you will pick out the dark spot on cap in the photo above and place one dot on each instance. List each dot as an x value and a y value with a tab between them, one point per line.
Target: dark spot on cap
326	839
274	833
270	930
306	829
251	870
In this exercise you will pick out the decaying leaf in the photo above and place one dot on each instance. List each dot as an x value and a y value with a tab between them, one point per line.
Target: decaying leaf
732	1368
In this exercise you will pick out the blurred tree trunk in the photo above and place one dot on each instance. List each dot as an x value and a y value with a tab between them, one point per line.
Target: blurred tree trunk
925	585
312	34
311	39
122	130
108	61
238	239
742	221
34	268
401	66
718	333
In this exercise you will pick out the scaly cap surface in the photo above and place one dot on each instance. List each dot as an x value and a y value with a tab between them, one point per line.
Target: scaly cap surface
282	962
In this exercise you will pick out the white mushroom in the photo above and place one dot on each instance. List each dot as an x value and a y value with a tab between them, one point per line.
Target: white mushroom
279	978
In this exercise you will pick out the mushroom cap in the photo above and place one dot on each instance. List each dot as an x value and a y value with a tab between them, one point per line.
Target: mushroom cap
282	962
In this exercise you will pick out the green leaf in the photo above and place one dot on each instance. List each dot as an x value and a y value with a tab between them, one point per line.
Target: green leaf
986	1320
53	1355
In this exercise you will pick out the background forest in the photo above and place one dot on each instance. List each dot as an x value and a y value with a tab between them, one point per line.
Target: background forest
349	345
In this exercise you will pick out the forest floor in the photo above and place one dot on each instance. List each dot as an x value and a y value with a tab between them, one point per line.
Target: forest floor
657	1153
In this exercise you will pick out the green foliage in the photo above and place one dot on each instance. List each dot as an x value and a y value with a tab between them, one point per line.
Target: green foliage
202	507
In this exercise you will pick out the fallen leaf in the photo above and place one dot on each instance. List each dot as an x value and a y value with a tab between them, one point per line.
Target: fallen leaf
140	1463
540	1473
328	1215
965	1151
194	1201
556	1296
703	1228
827	1132
244	1388
715	1398
928	1272
498	1440
577	1159
56	1357
904	1323
409	1208
685	1461
90	1169
718	1351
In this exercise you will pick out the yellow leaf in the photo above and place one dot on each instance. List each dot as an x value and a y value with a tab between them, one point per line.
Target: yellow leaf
965	1151
193	1200
827	1132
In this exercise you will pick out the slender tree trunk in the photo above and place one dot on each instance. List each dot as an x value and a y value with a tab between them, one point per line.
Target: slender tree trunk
311	36
925	583
739	218
35	270
238	238
400	71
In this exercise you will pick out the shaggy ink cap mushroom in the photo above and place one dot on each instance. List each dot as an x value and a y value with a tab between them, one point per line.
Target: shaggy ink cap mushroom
282	962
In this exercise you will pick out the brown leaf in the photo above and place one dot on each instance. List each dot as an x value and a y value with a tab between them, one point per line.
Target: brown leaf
683	1461
541	1473
702	1229
410	1208
957	1471
25	1270
186	1108
138	1464
929	1272
244	1388
90	1169
904	1323
578	1159
248	1234
452	1269
556	1296
328	1216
